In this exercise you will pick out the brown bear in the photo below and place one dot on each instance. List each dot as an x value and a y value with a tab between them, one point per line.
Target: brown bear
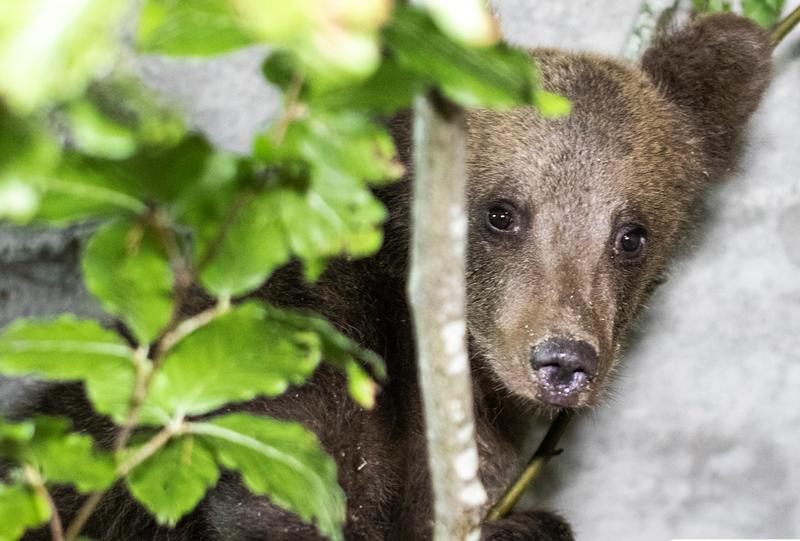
571	224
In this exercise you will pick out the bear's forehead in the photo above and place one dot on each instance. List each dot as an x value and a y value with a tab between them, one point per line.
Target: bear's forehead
621	141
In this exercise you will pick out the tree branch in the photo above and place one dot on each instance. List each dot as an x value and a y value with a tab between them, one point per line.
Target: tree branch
785	26
437	295
546	450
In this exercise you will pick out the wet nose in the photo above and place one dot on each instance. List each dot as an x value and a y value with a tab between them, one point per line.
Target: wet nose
566	364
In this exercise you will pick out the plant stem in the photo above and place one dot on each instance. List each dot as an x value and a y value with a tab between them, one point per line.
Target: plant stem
291	108
145	452
144	370
83	515
547	449
149	449
188	326
784	26
36	482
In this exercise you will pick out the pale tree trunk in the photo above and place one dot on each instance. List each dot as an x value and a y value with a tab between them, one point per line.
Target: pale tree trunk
438	301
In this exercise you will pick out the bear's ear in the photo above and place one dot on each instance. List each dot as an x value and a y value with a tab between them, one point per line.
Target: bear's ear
716	69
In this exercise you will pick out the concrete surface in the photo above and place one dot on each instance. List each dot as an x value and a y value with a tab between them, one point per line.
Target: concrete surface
702	438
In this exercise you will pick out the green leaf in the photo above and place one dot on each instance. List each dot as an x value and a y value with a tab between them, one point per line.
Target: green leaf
391	88
711	6
172	481
195	28
337	350
281	68
70	349
253	245
159	172
147	116
27	156
764	12
51	49
551	105
20	508
127	269
346	143
236	357
77	191
65	457
281	460
498	77
97	135
336	215
19	201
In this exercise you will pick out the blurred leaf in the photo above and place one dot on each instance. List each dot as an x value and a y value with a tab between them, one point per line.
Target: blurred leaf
551	105
349	143
69	349
20	508
126	268
281	460
337	350
711	6
18	201
280	68
27	156
64	457
253	245
764	12
96	135
14	433
51	49
155	172
391	88
236	357
172	481
498	77
190	28
468	21
126	102
86	187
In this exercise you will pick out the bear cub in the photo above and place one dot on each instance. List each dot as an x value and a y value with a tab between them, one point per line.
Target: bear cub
572	222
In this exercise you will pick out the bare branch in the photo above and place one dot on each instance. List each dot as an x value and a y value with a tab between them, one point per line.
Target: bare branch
546	450
438	300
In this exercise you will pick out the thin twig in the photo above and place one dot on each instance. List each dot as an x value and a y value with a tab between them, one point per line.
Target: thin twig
144	371
83	515
547	449
145	452
37	483
291	108
151	447
784	26
188	326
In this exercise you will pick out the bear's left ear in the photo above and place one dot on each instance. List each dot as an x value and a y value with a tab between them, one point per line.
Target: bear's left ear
716	69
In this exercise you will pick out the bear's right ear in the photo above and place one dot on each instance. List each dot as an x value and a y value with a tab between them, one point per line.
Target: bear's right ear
716	69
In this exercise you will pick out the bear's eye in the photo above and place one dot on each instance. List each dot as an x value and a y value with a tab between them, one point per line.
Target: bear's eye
502	217
631	242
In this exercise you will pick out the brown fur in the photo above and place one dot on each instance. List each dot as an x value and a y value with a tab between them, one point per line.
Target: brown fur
641	145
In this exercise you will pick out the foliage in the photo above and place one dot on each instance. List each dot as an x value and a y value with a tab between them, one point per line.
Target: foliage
82	140
765	12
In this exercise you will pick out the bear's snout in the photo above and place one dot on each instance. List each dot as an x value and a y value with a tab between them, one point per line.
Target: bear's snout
563	368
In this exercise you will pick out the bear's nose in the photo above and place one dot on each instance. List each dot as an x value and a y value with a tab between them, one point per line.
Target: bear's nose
564	365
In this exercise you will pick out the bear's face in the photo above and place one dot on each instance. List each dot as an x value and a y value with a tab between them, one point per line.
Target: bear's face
572	220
